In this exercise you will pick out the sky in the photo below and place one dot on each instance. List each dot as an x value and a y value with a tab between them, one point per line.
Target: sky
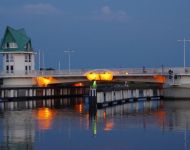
103	33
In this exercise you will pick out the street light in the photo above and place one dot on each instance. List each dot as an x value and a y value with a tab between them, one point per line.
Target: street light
184	51
69	57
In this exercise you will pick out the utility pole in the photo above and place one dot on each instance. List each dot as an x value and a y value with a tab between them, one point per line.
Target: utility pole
39	60
59	65
184	50
69	58
43	60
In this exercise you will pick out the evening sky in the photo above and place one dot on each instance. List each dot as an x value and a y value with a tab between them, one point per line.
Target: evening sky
103	33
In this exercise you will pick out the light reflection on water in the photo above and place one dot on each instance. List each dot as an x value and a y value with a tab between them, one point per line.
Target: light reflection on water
69	124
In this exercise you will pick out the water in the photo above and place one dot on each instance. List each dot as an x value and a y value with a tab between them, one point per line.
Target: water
138	125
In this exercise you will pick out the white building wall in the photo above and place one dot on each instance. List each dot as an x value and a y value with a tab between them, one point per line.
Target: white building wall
19	63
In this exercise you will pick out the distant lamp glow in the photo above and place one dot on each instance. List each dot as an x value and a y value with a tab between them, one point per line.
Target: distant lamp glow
106	76
126	73
93	76
160	79
44	81
80	84
100	76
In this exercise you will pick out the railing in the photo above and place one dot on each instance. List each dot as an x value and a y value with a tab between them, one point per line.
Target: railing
116	72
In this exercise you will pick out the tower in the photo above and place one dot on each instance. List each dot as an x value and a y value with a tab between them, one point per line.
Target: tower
18	54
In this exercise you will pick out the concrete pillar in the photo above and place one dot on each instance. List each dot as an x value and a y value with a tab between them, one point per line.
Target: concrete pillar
15	105
43	92
158	92
144	93
2	94
113	95
11	93
34	92
100	97
26	93
61	91
26	104
108	96
122	94
30	104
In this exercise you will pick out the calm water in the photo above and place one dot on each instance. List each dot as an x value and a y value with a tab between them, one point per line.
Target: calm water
154	125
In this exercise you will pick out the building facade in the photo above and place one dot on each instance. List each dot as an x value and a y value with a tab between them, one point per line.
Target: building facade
17	51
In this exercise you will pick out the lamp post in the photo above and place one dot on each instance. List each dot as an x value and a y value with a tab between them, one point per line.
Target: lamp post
184	50
69	58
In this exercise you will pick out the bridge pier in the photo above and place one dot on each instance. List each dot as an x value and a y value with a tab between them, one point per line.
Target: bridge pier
92	101
23	93
110	98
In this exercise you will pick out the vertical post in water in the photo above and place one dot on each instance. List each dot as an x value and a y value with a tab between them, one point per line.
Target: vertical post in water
93	97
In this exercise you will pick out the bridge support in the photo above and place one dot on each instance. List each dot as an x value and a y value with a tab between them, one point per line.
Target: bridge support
92	100
120	96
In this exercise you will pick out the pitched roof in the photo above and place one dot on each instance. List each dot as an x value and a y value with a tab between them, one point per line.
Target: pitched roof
18	36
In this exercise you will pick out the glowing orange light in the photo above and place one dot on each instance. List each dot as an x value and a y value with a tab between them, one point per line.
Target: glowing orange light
44	117
80	84
160	79
109	125
104	115
79	108
44	81
105	76
161	116
93	76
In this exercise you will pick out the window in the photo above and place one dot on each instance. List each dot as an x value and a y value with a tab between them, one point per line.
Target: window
29	67
13	45
11	58
26	68
12	69
7	45
29	57
7	69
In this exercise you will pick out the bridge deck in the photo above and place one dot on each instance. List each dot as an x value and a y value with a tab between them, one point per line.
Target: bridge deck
82	72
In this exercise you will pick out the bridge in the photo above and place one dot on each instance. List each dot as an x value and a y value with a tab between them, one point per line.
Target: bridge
169	75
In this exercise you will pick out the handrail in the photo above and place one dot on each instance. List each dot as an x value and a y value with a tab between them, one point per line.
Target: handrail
82	72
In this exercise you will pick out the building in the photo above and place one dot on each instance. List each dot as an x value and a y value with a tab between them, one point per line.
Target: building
18	54
18	58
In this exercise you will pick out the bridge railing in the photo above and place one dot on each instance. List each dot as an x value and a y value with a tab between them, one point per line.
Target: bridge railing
35	73
81	72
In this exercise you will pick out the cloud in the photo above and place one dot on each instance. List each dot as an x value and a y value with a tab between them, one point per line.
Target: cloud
30	9
41	9
105	10
107	14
